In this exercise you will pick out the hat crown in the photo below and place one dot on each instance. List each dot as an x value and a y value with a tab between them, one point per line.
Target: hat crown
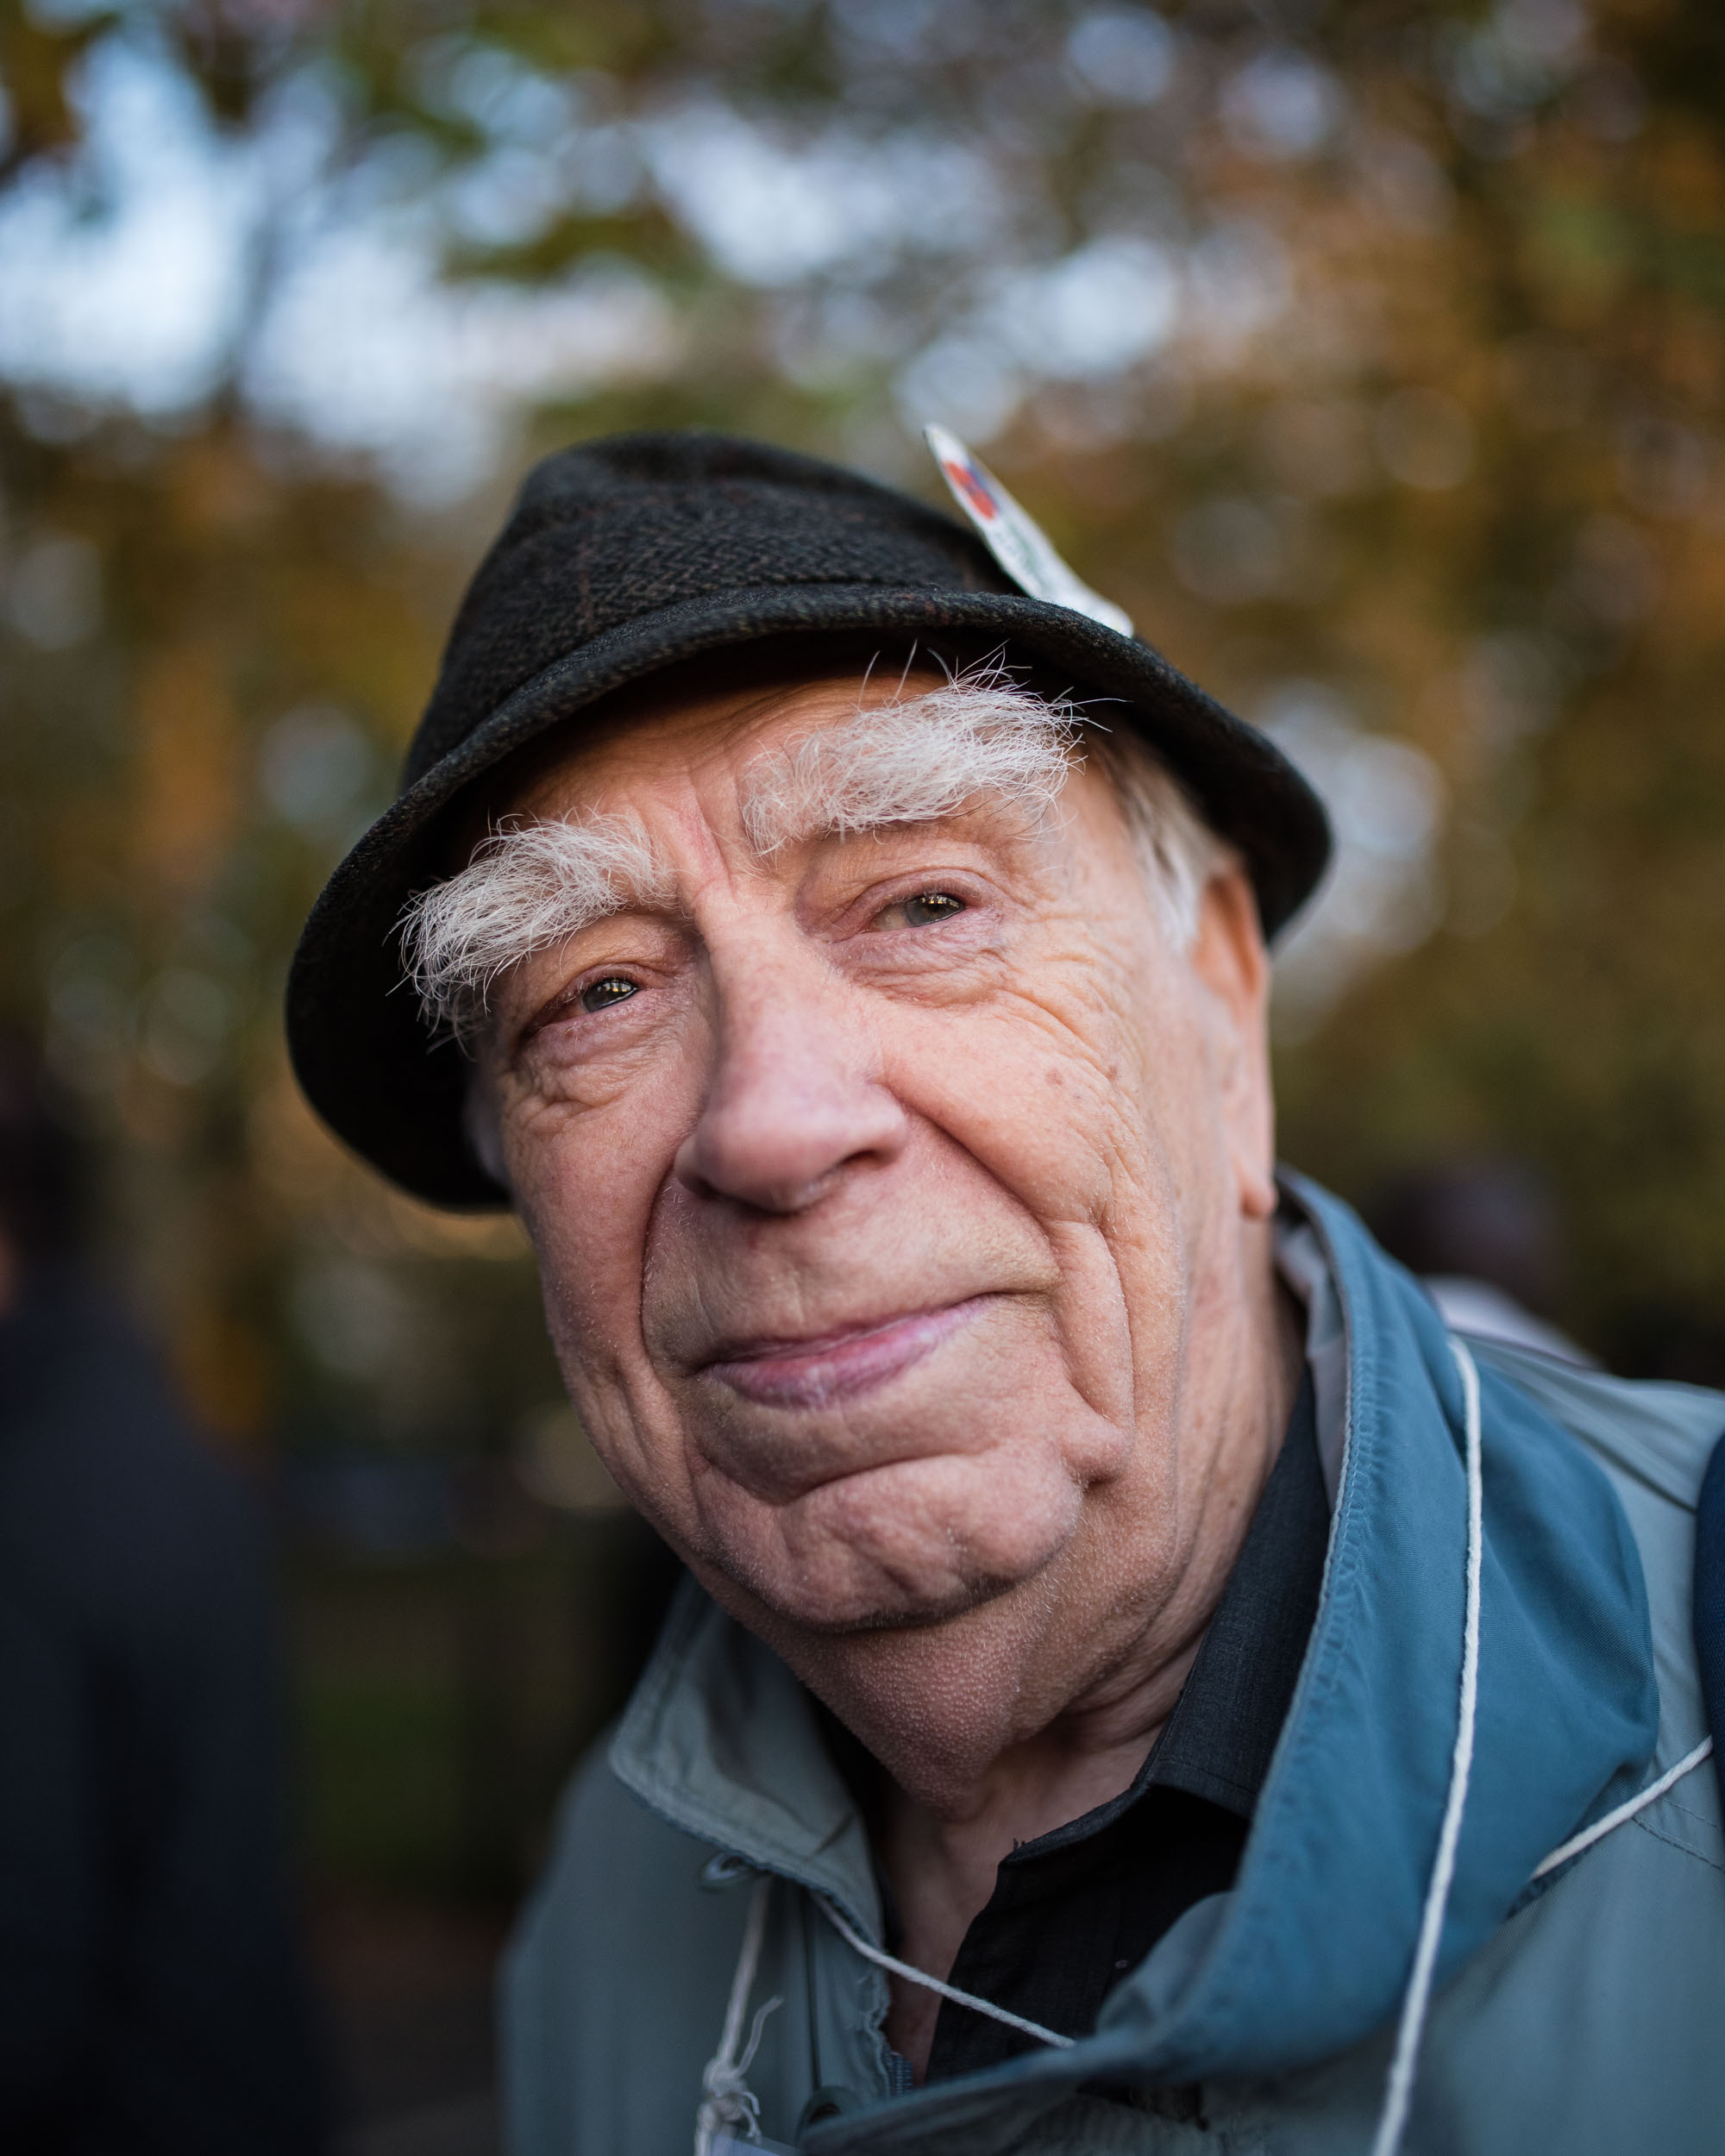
605	532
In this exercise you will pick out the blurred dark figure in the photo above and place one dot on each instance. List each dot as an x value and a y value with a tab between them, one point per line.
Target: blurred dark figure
151	1997
1482	1235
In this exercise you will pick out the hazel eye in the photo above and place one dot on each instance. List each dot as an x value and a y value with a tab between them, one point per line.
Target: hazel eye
925	909
603	994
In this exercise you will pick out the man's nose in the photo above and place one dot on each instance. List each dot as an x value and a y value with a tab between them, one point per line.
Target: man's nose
791	1103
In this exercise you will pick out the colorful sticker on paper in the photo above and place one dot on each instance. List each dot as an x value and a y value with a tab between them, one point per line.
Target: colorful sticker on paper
1014	537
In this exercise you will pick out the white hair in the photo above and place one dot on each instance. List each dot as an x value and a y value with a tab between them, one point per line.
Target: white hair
530	887
1176	849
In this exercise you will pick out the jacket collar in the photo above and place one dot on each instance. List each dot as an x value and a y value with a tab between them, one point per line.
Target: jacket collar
722	1741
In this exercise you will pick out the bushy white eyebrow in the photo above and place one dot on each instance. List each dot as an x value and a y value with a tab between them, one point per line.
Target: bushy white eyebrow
913	761
528	887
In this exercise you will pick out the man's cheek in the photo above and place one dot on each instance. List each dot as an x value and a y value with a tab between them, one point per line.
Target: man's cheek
638	1437
592	1310
590	1270
585	1186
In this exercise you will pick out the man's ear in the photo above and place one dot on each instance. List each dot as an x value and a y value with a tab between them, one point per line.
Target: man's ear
1228	957
481	1119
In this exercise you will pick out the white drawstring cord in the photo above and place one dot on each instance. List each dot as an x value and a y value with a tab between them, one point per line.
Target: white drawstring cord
1625	1812
726	2099
1398	2092
933	1984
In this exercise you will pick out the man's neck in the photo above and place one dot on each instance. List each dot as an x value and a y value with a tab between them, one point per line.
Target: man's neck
942	1863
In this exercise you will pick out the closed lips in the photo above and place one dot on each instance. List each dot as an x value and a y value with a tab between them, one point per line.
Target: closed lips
812	1372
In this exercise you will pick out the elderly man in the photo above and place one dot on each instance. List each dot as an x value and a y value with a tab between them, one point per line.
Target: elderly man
1143	1685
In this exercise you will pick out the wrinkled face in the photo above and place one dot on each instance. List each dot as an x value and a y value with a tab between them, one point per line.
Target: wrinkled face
893	1190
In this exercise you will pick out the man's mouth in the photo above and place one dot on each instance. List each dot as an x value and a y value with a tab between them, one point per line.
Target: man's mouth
816	1371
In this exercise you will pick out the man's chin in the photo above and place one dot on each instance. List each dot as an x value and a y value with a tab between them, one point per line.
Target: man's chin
887	1575
905	1545
835	1607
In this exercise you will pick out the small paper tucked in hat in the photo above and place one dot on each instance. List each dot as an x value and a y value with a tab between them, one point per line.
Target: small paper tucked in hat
1014	537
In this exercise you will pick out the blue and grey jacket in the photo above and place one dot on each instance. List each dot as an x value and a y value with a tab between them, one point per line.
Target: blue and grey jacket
1582	2010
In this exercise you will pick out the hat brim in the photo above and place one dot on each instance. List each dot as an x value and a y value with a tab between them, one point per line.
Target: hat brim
360	1049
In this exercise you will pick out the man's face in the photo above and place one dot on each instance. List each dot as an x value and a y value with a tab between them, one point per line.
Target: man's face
895	1192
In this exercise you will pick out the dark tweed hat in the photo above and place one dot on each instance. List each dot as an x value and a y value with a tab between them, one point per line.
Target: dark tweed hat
629	554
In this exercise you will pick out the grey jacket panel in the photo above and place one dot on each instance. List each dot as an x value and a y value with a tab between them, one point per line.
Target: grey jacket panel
614	1986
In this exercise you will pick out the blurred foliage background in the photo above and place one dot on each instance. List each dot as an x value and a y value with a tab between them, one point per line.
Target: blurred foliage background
1368	351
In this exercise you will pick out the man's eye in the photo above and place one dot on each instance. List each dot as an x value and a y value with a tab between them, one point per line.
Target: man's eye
612	990
924	909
